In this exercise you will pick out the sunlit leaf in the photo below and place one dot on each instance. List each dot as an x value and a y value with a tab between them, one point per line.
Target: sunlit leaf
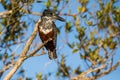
89	23
0	27
112	45
75	50
39	76
68	27
48	4
81	9
71	45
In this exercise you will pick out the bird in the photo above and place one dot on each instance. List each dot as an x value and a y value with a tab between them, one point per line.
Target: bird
47	30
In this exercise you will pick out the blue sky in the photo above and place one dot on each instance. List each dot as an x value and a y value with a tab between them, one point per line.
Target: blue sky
42	64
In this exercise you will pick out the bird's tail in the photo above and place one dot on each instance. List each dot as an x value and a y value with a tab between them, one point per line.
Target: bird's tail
52	54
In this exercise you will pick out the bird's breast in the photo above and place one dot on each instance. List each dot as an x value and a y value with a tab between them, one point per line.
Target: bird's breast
46	34
45	30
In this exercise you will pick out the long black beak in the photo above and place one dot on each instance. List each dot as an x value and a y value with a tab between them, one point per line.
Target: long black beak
59	18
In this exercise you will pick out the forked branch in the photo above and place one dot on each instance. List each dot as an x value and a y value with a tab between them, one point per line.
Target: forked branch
23	54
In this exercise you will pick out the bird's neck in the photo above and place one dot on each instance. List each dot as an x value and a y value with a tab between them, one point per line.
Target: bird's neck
46	25
47	22
47	18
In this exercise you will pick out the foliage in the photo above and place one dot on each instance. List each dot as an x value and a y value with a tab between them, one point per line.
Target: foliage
95	29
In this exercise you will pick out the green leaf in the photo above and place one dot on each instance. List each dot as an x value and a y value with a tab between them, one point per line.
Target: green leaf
67	1
112	45
39	1
89	23
0	27
71	45
92	34
68	27
39	76
77	70
1	56
81	9
75	50
55	7
48	4
99	13
58	31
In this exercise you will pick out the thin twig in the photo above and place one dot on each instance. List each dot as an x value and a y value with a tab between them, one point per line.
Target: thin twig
23	54
38	48
109	70
6	67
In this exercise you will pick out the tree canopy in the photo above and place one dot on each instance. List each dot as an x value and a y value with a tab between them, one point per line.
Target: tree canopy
88	43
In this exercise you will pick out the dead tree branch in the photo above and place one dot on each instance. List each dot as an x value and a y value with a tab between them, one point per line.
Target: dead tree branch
38	48
83	76
5	13
109	70
23	54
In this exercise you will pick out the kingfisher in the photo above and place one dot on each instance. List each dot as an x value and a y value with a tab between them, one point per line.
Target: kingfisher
47	30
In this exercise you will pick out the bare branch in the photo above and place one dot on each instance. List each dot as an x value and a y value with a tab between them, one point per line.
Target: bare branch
83	75
5	13
67	14
38	48
23	54
35	13
6	67
109	70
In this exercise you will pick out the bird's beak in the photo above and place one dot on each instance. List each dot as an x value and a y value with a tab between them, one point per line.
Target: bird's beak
59	18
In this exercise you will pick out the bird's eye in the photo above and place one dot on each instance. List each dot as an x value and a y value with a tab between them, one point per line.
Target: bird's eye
51	14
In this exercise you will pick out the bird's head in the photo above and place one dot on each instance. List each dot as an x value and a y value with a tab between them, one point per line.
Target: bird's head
51	15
